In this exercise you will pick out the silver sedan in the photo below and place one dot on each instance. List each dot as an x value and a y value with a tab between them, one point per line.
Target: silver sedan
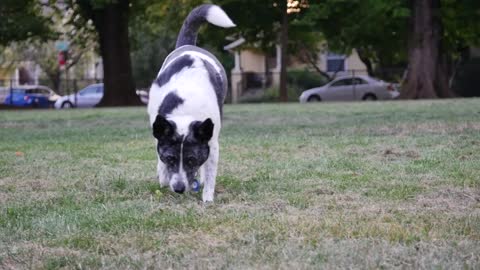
351	88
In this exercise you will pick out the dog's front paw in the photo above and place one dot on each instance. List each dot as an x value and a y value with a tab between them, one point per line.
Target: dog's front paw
207	196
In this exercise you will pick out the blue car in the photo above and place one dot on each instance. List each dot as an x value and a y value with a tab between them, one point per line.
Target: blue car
35	96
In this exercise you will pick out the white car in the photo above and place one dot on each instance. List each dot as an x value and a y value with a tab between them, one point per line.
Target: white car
86	98
89	97
359	87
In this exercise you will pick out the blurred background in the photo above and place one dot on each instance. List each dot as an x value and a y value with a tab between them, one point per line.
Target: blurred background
281	50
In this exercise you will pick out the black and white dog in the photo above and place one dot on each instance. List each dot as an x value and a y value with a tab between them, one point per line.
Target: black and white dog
185	108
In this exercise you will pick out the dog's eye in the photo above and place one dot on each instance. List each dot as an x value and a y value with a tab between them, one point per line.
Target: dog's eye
171	160
190	161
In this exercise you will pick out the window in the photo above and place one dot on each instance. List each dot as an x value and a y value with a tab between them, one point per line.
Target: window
359	81
335	62
89	91
343	82
43	91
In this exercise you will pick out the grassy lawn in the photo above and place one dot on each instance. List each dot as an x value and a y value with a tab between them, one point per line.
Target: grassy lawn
339	185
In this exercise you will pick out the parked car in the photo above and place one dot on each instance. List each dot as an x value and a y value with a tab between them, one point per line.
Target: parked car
89	97
36	96
86	98
351	88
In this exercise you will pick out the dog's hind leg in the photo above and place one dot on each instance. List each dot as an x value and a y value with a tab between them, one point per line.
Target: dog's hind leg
162	174
210	173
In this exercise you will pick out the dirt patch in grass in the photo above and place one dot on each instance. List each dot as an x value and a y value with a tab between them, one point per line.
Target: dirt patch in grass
392	154
447	200
34	190
454	201
32	255
26	185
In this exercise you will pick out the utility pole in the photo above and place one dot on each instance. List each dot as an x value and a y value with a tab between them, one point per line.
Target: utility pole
283	49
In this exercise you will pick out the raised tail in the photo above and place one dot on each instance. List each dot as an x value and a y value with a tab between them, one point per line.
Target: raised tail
201	14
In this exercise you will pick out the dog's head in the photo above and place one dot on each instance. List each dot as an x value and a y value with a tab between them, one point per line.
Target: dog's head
182	151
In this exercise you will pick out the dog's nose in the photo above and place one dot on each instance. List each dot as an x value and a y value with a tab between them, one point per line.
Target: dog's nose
179	187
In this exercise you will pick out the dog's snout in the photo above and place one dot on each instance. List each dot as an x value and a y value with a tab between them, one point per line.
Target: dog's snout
179	187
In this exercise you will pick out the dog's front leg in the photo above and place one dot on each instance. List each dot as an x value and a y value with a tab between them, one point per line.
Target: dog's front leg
210	173
162	174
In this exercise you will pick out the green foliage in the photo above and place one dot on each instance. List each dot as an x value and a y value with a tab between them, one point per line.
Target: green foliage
257	21
149	49
270	95
305	79
461	24
377	29
79	35
297	81
22	20
466	79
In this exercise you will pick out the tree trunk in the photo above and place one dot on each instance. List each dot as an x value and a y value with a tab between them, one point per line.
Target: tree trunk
55	78
307	56
366	60
426	76
444	74
284	47
111	23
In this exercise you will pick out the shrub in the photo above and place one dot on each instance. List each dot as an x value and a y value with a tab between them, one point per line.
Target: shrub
305	79
297	82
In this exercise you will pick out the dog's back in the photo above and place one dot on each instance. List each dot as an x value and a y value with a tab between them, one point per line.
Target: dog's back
191	83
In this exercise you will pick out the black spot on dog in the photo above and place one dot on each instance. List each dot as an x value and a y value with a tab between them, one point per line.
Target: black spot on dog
176	66
217	82
170	103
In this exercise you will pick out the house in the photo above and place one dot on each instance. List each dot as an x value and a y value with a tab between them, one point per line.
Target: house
254	69
20	72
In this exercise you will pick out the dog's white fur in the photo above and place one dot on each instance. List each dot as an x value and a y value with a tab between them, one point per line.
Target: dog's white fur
217	16
194	87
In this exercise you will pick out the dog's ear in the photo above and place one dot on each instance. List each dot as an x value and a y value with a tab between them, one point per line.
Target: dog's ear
162	128
203	131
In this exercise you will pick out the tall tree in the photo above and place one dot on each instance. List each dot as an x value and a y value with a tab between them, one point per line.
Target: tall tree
111	18
440	32
426	70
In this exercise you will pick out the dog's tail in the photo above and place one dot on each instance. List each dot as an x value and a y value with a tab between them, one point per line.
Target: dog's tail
201	14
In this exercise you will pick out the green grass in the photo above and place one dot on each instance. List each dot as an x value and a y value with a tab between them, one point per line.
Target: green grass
330	185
